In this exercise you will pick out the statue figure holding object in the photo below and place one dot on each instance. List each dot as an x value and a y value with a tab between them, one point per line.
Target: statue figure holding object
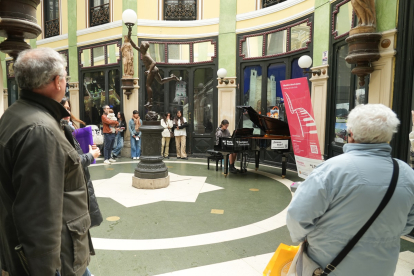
127	57
365	11
152	71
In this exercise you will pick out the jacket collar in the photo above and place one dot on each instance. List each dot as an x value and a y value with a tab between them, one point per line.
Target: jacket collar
53	107
382	149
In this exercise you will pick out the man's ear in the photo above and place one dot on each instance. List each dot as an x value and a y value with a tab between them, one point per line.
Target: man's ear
56	82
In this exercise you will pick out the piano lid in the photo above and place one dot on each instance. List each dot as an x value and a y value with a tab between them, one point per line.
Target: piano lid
270	126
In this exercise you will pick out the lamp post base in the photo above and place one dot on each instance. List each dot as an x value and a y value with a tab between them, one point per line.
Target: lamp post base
151	172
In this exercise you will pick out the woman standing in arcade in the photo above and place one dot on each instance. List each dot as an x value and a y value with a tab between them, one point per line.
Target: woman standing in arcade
180	133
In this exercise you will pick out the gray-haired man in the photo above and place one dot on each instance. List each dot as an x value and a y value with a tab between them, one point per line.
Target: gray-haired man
43	194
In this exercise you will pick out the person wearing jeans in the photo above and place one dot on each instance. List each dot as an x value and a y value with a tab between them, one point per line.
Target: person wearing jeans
109	137
134	125
119	138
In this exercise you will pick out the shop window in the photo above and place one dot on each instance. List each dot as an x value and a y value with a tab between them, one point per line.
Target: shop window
86	58
203	51
99	12
51	15
65	55
253	46
343	19
268	3
276	43
178	53
203	101
157	52
100	55
299	36
157	94
192	52
342	95
178	93
180	9
275	103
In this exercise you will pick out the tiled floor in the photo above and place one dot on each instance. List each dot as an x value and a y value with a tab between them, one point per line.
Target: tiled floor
202	224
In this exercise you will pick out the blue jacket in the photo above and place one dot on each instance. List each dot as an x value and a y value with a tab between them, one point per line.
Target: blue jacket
131	126
338	198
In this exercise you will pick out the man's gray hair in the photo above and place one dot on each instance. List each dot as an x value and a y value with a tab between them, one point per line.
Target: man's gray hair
34	68
372	123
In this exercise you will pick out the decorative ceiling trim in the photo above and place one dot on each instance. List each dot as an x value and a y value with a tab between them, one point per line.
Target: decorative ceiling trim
275	23
177	24
269	10
52	39
142	35
103	39
99	28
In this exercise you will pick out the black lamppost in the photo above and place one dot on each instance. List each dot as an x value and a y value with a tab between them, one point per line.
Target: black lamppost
151	172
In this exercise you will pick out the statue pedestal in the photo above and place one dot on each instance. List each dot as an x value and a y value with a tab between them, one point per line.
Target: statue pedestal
151	172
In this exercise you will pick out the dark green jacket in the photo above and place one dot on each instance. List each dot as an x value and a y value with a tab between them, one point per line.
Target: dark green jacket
43	193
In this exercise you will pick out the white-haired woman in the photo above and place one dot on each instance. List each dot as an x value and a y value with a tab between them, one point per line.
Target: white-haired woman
342	193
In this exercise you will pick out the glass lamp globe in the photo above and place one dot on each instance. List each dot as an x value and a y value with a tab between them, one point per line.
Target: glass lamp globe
222	73
129	17
305	62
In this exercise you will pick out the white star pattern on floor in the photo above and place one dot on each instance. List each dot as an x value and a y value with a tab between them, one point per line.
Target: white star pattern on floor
181	189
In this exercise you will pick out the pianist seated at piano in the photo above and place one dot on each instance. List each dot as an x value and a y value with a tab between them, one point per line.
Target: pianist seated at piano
223	132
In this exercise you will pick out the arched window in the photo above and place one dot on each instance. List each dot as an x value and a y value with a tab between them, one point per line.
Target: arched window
51	16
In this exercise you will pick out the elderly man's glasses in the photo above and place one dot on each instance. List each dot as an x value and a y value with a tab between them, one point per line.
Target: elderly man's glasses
67	78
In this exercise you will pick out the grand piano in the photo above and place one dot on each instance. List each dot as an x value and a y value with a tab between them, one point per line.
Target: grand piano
243	141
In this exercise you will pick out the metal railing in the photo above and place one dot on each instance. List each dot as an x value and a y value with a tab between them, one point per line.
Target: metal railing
99	15
180	10
268	3
52	28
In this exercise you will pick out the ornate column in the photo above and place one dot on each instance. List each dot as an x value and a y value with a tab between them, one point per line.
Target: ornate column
319	100
382	79
74	98
130	105
227	102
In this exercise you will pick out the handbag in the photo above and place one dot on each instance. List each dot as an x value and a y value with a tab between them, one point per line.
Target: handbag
281	260
303	265
171	133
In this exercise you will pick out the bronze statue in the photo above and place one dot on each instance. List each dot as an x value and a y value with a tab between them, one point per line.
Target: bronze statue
127	57
152	71
365	11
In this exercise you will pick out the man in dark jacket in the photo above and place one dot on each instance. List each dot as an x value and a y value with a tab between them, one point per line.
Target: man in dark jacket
43	193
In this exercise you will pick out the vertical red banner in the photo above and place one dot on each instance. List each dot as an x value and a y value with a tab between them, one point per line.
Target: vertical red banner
302	125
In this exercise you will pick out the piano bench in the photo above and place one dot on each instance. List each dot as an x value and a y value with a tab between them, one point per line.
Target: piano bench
214	155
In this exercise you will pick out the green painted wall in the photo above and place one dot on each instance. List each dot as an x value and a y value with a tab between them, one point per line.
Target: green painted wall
33	43
387	11
227	51
72	41
131	4
321	31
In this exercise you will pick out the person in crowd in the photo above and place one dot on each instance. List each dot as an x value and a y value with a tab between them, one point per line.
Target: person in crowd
134	125
109	137
85	160
111	116
43	192
167	124
222	131
342	193
180	133
119	138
